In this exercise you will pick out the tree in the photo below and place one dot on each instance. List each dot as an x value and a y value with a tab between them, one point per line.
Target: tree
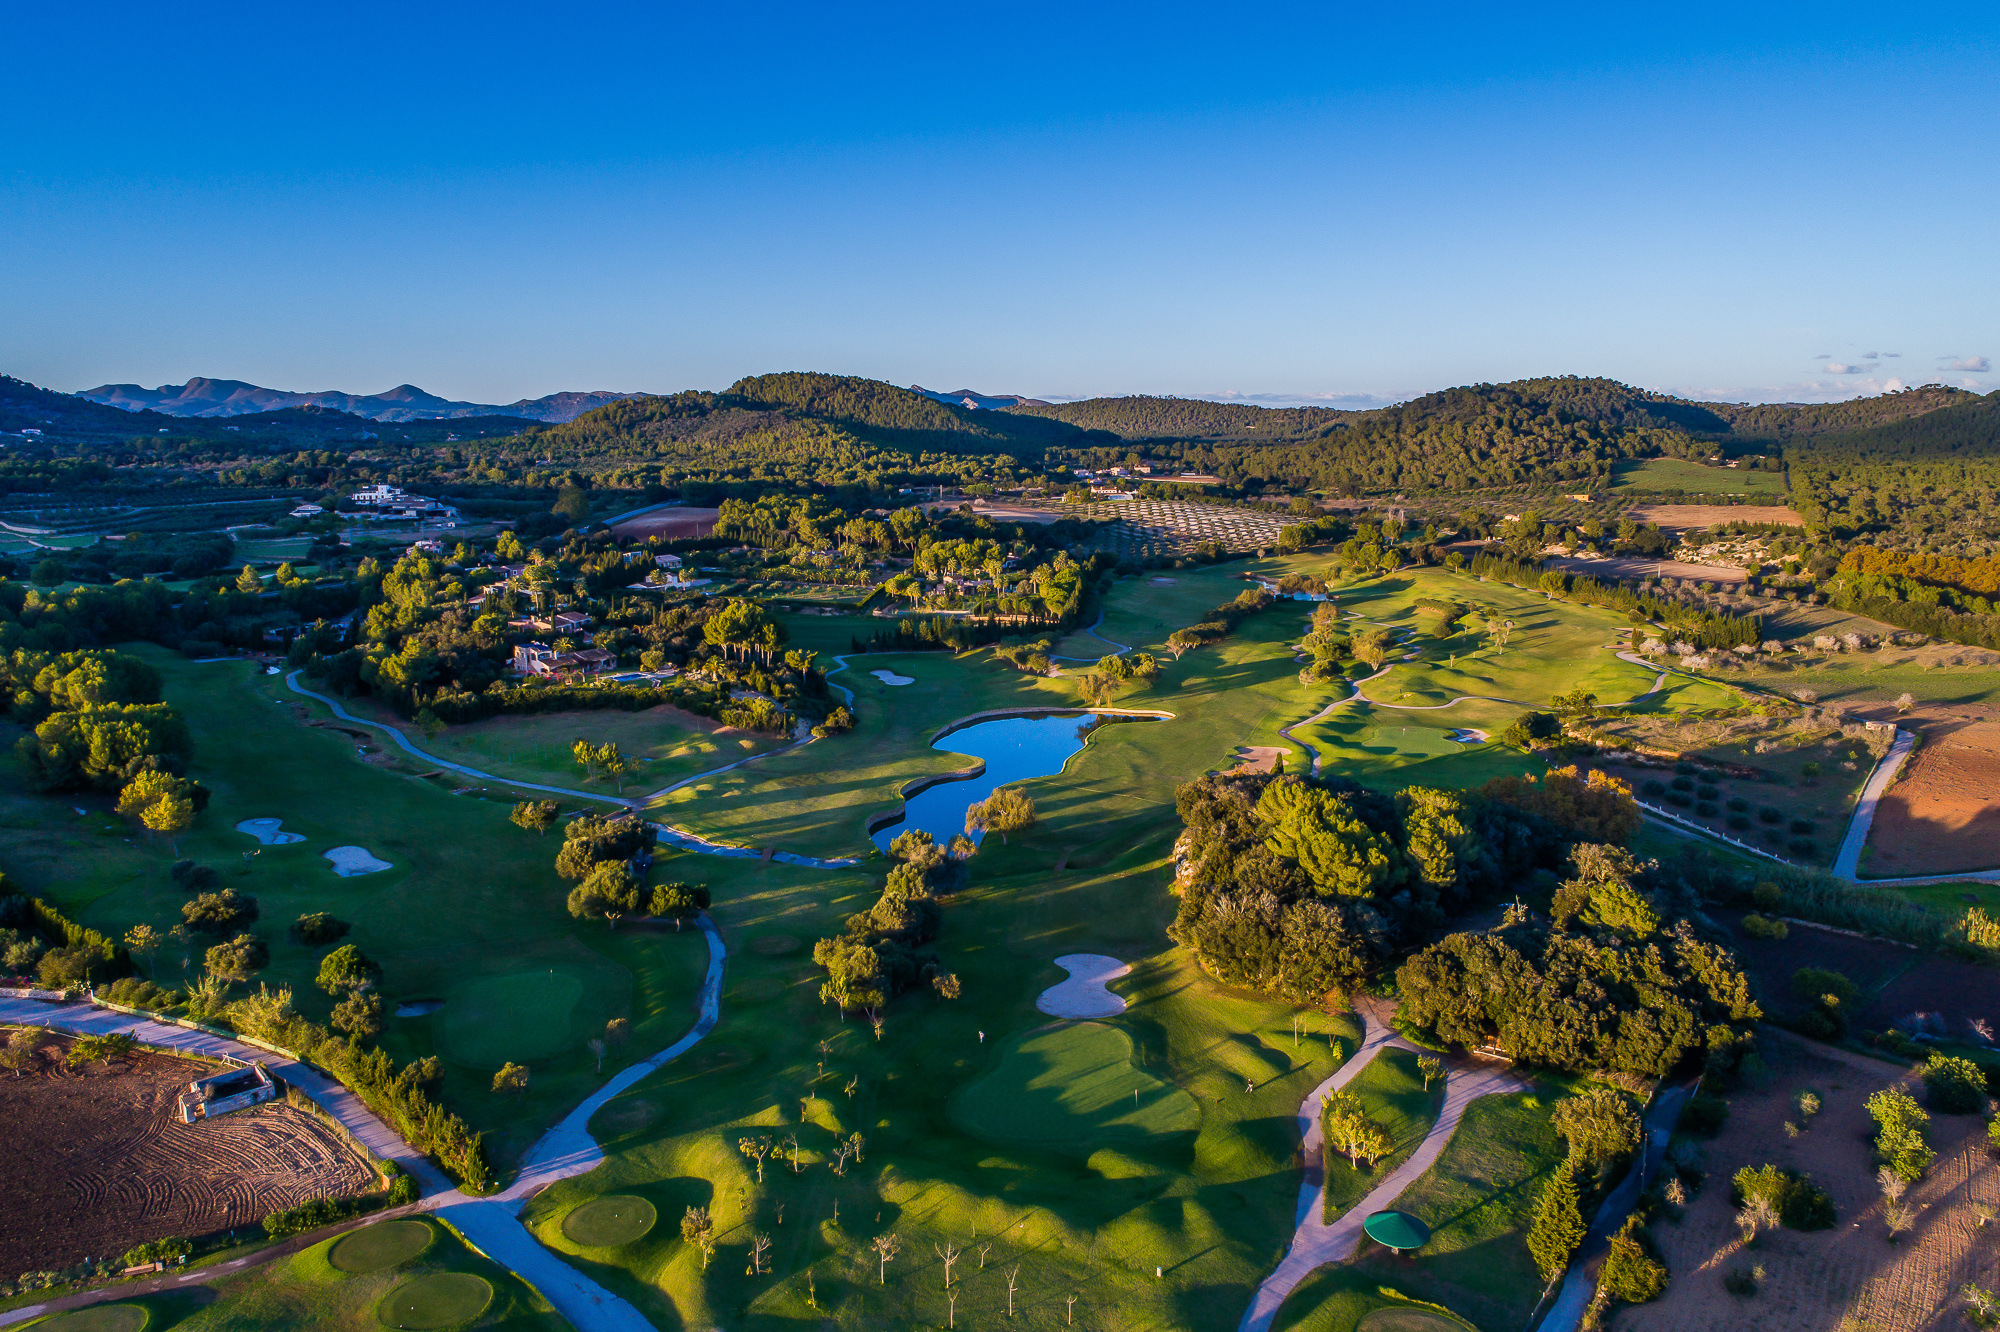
21	1050
144	941
239	958
1430	1066
1601	1127
218	913
946	984
147	789
1900	1140
886	1248
512	1078
698	1229
609	892
1007	810
760	1247
1501	630
756	1149
680	901
170	818
1558	1226
319	927
536	816
1956	1085
248	581
572	505
1631	1273
360	1014
596	1047
346	968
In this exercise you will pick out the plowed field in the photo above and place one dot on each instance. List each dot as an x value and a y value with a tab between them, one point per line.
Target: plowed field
97	1161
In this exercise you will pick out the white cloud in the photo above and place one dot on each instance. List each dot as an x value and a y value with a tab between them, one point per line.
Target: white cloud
1976	364
1836	368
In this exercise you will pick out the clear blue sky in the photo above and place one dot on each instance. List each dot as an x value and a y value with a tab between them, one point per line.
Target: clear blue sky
1324	203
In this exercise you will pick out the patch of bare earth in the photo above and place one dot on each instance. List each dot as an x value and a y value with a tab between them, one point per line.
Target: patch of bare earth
1943	815
1620	566
1680	517
1816	1280
97	1161
671	523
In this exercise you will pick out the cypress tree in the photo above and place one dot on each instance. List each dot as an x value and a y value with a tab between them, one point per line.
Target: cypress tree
1558	1228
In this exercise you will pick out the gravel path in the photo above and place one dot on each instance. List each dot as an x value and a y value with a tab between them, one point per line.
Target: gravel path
1847	865
1319	1242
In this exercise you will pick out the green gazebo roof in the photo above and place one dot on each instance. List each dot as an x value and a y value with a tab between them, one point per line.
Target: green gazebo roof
1397	1230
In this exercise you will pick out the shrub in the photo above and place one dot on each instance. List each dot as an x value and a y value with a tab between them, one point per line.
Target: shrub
1764	927
1654	789
219	913
1683	783
1803	827
1704	1115
1631	1272
402	1189
1706	809
312	1215
318	927
1955	1086
1769	815
133	992
1802	846
1739	822
192	878
1707	793
1767	896
1799	1203
1900	1142
172	1249
1738	805
1740	1282
1679	799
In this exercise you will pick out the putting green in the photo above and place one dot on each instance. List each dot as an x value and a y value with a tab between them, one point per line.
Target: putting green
518	1016
441	1299
1410	1320
607	1222
102	1318
373	1248
1072	1083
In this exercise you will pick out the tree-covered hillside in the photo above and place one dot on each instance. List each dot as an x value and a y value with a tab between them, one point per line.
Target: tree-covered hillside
1144	417
1930	482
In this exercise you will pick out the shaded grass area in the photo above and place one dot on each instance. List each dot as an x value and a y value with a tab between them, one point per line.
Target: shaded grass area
469	895
660	746
1344	1299
1073	1086
1479	1200
1392	1095
306	1290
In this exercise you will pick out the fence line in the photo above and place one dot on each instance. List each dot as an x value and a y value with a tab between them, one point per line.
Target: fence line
1707	831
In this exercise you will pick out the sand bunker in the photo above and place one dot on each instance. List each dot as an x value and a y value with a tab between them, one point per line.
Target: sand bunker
891	678
1467	736
1083	995
267	832
1258	758
349	861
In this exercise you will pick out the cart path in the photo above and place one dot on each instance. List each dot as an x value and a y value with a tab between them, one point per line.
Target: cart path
680	837
1318	1242
1847	865
1092	632
491	1223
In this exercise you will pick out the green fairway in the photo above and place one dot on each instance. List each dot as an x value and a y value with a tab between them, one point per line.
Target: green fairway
1652	474
1392	1095
381	1246
470	897
519	1016
445	1284
100	1318
660	746
605	1223
1072	1086
439	1299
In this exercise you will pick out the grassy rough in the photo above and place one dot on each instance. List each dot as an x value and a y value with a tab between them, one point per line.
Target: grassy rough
1393	1095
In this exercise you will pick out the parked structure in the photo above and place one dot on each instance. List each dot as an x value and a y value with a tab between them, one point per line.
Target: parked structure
222	1093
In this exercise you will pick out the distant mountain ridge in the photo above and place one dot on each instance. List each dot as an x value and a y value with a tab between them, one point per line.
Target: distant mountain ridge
203	397
971	398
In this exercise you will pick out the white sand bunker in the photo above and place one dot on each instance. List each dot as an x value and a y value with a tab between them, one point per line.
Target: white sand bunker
1083	995
351	860
891	678
1467	736
267	832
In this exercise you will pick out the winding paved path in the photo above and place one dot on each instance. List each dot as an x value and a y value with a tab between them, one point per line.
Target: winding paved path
678	836
1847	865
1317	1241
491	1223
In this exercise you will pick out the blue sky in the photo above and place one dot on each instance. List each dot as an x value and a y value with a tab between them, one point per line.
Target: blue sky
1333	204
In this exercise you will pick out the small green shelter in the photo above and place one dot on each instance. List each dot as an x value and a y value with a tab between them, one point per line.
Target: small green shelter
1397	1230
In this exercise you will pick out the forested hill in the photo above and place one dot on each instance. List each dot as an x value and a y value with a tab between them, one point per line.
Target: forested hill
23	406
1143	417
897	417
1793	420
1917	481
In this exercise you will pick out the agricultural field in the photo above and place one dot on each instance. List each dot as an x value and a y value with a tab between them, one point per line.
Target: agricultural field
103	1149
469	909
411	1273
1943	814
1681	517
1852	1274
1655	474
1163	529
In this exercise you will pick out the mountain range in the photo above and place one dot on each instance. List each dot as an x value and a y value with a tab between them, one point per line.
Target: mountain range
202	397
971	398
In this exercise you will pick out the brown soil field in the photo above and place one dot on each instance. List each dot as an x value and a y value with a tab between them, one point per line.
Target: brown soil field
1615	567
1815	1281
1680	517
1943	814
668	523
1895	981
96	1162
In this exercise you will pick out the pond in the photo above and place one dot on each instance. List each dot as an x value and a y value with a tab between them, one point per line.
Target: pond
1015	749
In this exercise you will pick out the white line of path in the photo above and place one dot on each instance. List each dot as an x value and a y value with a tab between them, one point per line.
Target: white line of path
1317	1241
492	1223
678	836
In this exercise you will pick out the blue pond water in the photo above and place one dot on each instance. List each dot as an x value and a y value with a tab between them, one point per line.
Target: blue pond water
1015	748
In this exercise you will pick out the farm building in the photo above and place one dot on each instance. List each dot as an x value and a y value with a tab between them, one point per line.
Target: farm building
221	1093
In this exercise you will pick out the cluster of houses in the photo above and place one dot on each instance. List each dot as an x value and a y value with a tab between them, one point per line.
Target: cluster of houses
538	658
386	503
